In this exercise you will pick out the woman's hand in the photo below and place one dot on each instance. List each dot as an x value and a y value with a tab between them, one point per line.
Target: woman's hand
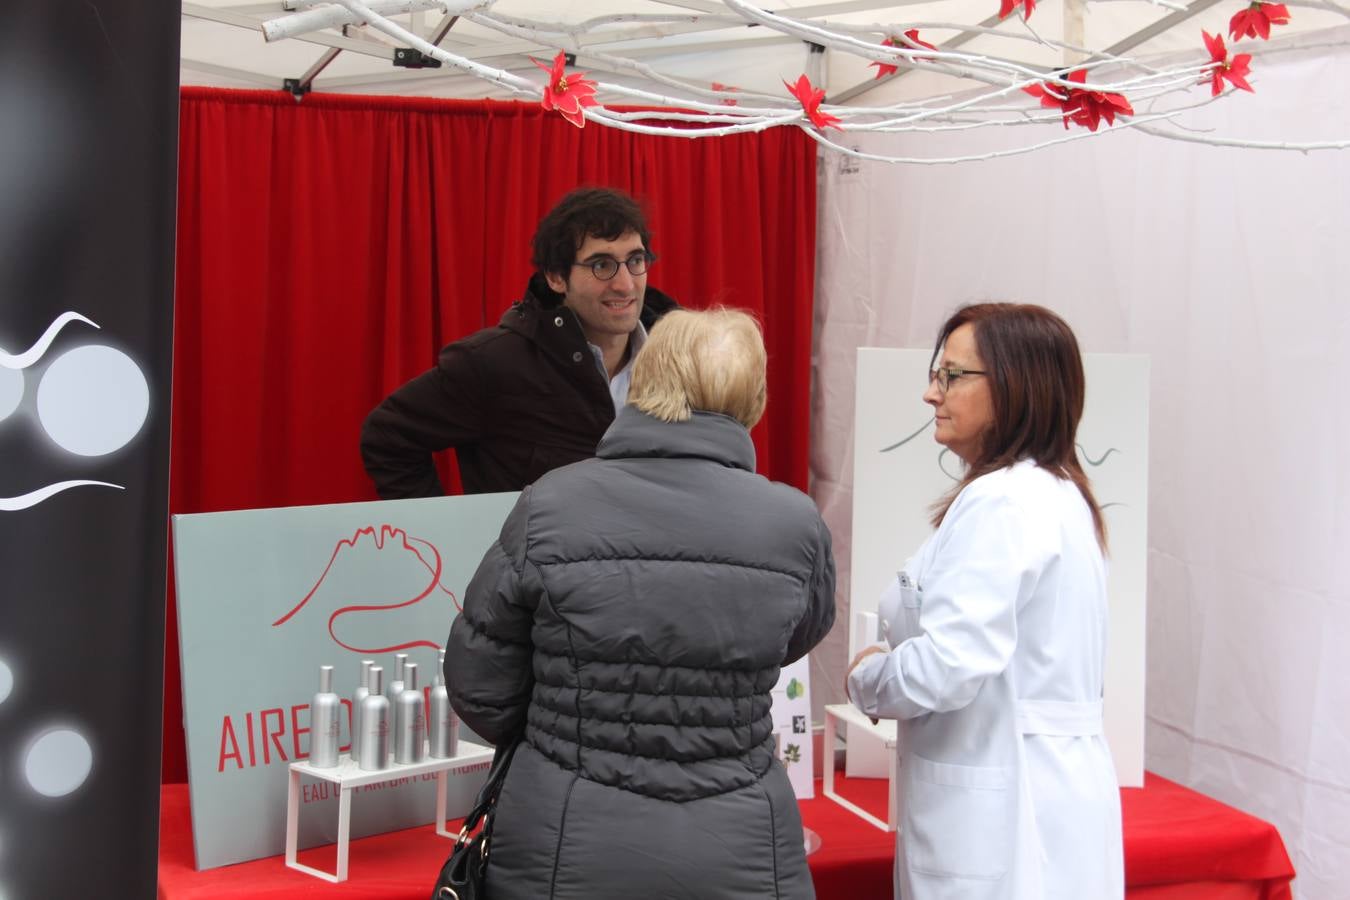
866	652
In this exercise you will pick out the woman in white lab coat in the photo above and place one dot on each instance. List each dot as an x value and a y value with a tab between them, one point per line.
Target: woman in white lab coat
997	632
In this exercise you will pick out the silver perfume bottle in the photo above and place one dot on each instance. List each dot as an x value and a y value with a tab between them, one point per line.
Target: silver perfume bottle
362	692
443	728
410	720
324	723
375	725
396	688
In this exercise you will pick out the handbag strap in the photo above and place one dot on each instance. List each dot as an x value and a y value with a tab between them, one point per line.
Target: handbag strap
487	795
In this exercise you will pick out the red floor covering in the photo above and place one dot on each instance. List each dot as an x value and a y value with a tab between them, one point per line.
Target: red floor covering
1178	844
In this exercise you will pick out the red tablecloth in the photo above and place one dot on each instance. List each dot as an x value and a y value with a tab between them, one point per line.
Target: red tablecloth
1178	844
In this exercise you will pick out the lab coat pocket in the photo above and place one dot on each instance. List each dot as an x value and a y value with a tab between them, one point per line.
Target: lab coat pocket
911	604
959	821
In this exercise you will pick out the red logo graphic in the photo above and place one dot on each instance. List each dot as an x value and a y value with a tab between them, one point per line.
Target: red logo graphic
398	541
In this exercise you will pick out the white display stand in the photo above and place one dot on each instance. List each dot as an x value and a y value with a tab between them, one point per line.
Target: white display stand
266	597
883	732
348	775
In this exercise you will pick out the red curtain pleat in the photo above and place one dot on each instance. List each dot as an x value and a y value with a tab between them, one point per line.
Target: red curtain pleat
328	249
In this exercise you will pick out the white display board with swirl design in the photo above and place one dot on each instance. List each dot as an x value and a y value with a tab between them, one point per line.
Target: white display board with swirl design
899	470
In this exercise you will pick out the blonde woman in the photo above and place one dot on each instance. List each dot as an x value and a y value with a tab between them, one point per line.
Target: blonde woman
630	623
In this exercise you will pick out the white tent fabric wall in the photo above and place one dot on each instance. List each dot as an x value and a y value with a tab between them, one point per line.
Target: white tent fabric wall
1230	268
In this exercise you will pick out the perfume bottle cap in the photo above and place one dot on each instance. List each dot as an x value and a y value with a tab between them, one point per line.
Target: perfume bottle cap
410	676
376	679
325	679
365	672
400	660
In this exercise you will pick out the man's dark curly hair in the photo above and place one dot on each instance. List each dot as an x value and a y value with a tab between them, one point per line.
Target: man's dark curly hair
585	212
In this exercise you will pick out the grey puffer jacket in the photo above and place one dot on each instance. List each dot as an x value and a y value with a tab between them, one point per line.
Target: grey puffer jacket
631	622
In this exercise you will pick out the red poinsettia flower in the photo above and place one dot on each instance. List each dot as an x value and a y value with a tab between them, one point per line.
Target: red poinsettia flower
809	97
884	69
567	93
1028	6
1053	96
1080	105
1255	20
1234	69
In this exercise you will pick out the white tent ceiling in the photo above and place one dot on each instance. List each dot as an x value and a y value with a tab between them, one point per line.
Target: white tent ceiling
223	45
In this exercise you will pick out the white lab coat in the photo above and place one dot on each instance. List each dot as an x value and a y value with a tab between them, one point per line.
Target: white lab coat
997	629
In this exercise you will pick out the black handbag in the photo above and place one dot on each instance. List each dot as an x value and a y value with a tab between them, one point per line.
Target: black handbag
464	874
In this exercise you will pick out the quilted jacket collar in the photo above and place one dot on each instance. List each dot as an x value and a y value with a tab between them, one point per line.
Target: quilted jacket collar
706	435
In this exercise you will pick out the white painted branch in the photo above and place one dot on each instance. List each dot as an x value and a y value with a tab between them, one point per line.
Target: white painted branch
513	83
600	114
1165	4
1079	135
867	49
590	25
1301	147
895	31
1000	101
498	23
698	118
318	18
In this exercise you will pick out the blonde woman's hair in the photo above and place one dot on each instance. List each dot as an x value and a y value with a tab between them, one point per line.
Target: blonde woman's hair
711	361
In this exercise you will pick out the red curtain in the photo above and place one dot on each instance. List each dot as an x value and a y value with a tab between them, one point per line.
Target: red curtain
328	249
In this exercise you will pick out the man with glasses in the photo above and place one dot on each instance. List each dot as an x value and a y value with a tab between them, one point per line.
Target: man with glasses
540	389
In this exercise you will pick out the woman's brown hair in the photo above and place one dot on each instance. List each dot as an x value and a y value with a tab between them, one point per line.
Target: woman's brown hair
1035	373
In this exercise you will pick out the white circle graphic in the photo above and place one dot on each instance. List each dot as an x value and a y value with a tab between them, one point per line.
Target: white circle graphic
92	400
6	680
11	392
58	762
